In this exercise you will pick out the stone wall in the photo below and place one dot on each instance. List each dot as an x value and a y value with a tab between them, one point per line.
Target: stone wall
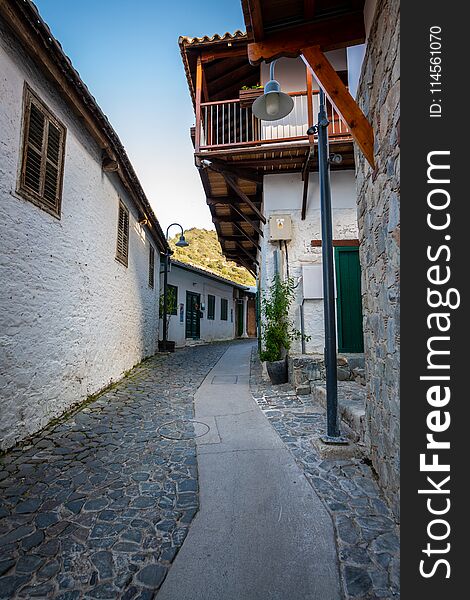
72	319
379	229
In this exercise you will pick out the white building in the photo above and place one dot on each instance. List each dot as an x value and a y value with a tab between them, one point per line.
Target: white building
206	307
80	245
255	172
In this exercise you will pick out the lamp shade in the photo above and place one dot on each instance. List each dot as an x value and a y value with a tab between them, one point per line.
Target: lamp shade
273	104
182	243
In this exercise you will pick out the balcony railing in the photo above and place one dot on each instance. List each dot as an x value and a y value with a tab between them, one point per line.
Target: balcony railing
226	124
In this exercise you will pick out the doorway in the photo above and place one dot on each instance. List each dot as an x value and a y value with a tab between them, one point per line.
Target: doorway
349	302
193	315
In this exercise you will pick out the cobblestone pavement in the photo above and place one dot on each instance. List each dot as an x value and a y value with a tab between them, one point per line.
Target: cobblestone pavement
98	505
367	535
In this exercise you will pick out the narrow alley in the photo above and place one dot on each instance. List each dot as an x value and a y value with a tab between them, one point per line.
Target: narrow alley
99	504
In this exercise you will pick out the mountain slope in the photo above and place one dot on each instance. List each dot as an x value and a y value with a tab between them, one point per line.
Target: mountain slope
204	251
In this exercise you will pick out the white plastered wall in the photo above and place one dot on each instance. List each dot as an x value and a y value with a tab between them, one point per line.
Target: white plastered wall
282	194
72	319
211	329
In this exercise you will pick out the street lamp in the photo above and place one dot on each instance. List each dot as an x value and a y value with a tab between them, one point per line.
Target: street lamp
273	104
333	435
181	243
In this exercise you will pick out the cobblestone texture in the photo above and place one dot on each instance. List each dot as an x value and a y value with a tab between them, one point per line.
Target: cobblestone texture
379	231
98	505
367	534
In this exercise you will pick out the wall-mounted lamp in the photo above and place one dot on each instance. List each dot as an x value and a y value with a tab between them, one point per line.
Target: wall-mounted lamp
273	104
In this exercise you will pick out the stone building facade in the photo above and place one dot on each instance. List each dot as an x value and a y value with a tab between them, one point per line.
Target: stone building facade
74	316
379	230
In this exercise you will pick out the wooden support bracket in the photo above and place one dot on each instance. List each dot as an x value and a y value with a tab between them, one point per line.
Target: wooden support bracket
344	103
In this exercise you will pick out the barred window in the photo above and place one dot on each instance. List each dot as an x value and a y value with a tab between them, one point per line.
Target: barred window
223	309
42	160
151	266
122	245
211	307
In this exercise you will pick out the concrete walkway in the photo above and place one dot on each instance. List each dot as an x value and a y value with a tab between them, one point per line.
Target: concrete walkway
262	533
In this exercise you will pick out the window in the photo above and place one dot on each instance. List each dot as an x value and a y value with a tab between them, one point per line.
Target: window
211	307
151	266
122	245
42	160
223	309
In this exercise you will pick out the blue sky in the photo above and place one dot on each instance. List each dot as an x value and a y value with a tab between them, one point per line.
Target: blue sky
127	53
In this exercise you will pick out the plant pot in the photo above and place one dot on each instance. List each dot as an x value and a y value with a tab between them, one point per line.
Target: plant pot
277	371
170	346
247	97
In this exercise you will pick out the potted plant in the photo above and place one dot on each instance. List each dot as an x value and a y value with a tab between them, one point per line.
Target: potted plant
171	309
277	330
248	94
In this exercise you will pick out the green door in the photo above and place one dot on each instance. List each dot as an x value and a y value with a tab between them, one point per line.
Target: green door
239	318
348	303
193	315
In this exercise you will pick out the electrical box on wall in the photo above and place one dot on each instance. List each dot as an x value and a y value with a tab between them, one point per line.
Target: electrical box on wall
280	227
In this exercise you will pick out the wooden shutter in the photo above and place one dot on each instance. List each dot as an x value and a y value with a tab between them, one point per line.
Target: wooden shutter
223	309
151	266
43	155
122	245
211	307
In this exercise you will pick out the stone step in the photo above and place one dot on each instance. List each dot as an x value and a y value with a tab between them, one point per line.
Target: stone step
351	404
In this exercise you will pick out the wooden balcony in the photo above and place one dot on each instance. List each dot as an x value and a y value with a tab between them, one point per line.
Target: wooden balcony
226	124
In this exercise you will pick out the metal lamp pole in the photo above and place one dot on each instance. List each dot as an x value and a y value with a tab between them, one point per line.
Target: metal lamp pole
333	435
180	243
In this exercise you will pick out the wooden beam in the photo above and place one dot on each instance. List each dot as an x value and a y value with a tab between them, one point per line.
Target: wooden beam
248	236
233	184
241	72
250	256
199	78
330	34
256	19
230	180
247	219
308	75
228	200
224	52
354	243
344	103
309	9
305	195
242	173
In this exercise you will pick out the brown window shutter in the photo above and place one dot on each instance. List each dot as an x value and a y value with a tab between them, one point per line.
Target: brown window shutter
43	155
151	266
122	244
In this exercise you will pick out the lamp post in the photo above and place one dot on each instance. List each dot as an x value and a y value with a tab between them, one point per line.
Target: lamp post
181	243
333	435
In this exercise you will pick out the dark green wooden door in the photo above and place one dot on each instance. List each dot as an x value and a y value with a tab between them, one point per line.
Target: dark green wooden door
193	315
348	303
239	319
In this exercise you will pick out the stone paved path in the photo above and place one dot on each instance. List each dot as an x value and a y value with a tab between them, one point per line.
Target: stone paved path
367	535
98	506
261	533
